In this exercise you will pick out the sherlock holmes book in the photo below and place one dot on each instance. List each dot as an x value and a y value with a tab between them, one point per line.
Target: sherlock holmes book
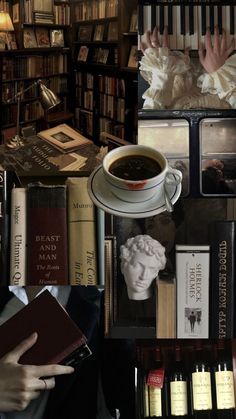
47	235
222	236
192	275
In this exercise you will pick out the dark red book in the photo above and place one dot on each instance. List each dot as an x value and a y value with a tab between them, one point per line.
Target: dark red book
59	339
47	235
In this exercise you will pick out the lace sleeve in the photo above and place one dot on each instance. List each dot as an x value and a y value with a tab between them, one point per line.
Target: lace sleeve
222	82
159	67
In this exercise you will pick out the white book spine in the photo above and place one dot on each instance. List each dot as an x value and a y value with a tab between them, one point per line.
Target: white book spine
18	237
192	272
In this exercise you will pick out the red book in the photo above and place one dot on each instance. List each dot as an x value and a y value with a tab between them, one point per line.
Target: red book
59	339
47	235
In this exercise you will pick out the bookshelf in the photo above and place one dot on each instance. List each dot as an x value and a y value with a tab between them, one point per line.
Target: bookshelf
102	43
41	34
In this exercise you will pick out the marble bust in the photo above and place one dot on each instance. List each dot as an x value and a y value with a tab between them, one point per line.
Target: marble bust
142	257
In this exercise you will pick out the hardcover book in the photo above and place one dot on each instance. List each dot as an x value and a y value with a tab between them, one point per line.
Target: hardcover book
222	279
192	276
166	308
82	234
64	138
59	339
18	237
47	235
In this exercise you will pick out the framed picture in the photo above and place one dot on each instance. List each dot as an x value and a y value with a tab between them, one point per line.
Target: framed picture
112	34
29	38
11	40
133	61
85	33
3	41
57	37
45	6
64	138
102	55
134	22
98	33
42	37
83	53
16	13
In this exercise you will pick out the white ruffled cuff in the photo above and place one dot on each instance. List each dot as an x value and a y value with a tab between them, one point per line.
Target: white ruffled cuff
222	82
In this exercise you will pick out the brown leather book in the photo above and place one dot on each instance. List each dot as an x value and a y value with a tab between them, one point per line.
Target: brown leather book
47	235
59	339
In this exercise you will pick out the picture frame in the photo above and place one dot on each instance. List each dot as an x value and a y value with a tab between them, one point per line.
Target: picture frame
64	138
133	59
45	6
2	41
98	32
112	33
42	37
29	38
134	22
11	40
57	38
16	13
85	33
102	55
83	53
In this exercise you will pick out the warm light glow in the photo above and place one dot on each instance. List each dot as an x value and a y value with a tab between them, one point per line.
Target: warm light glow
5	22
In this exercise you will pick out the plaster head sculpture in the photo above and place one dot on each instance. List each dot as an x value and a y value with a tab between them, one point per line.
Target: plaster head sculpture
142	257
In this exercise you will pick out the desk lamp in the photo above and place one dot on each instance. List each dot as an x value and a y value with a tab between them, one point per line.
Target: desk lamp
48	100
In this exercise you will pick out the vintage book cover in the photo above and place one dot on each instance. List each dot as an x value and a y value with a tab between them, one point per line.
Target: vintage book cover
7	180
64	138
29	38
83	53
18	237
42	37
47	235
57	37
166	308
133	60
192	276
59	339
222	279
82	233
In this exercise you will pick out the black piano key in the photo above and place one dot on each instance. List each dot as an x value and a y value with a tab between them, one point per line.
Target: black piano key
212	21
231	20
170	19
203	15
140	19
153	16
182	21
219	22
191	19
162	17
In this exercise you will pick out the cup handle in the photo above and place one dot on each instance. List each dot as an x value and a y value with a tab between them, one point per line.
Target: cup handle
176	177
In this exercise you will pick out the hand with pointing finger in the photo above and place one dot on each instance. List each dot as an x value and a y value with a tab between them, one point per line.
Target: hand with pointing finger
20	384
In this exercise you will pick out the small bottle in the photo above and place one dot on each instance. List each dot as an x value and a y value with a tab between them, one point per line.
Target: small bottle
224	383
156	383
201	385
178	387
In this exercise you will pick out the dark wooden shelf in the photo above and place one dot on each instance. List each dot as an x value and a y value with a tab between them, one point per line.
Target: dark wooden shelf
97	43
35	51
91	21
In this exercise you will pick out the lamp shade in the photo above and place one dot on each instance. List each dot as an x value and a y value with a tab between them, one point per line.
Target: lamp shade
48	99
5	22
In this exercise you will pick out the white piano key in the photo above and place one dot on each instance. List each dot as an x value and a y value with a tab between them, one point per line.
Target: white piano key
227	24
173	38
179	37
194	37
187	38
146	18
201	39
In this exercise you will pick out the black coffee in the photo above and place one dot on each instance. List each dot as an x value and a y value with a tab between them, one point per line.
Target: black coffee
135	168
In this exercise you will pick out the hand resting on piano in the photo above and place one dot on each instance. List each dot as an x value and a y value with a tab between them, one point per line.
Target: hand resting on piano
177	83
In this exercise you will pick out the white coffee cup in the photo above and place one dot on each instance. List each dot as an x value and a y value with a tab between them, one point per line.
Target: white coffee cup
143	189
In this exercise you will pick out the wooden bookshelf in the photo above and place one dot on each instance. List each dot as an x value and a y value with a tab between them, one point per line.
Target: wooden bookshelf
102	42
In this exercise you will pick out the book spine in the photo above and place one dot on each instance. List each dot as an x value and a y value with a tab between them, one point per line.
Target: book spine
100	218
47	235
192	275
82	234
222	238
18	237
7	178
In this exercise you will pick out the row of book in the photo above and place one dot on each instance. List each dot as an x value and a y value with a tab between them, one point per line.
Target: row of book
87	10
84	121
36	11
33	66
84	99
53	234
111	127
112	107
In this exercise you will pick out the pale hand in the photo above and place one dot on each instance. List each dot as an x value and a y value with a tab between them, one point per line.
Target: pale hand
19	384
153	39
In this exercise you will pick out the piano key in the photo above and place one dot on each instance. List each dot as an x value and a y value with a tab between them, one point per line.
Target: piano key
140	19
170	19
226	12
194	36
212	19
187	40
200	28
153	16
182	19
147	18
203	19
219	18
162	18
173	37
179	36
191	19
231	20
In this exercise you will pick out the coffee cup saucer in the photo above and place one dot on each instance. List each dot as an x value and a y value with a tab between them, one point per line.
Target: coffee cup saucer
103	198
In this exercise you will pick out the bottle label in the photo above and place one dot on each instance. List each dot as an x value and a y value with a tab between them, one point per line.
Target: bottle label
146	401
225	390
156	378
178	398
201	382
155	405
